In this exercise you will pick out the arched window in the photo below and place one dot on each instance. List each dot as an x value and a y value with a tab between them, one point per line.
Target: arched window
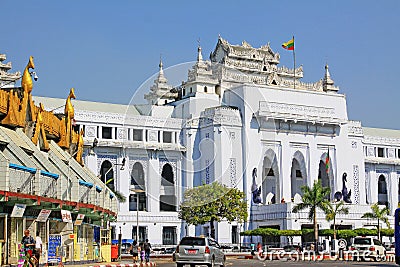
270	182
137	175
298	176
167	175
382	188
107	174
382	191
205	89
168	198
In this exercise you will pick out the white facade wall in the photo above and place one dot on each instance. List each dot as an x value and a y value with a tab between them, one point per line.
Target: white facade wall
239	137
255	121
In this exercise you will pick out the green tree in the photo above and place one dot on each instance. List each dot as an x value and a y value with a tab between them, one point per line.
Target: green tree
313	198
212	203
332	210
378	214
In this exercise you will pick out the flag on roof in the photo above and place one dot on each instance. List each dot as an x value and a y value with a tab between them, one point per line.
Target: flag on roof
289	45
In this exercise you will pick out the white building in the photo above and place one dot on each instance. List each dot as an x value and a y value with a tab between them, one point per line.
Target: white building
246	122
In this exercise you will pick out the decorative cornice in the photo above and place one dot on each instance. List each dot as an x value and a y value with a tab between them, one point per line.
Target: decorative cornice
375	160
220	116
127	120
378	140
296	112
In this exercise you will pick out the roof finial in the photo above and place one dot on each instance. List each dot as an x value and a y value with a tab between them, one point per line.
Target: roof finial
161	77
327	82
161	64
199	55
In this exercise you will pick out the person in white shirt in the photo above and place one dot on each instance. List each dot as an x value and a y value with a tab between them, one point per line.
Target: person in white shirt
38	247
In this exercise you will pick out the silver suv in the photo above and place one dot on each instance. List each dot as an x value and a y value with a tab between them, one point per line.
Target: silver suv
367	247
198	251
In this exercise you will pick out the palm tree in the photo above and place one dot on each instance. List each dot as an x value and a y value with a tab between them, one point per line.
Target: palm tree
380	215
332	210
313	198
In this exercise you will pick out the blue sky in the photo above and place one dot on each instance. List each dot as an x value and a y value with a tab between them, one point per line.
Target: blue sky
107	49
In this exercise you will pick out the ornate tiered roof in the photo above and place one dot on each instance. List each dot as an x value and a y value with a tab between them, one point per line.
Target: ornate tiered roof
246	64
232	65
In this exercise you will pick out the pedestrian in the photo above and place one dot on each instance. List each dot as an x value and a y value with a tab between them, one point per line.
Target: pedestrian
259	249
38	247
29	245
147	250
134	251
141	253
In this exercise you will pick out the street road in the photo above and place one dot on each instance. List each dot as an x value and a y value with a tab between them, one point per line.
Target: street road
256	263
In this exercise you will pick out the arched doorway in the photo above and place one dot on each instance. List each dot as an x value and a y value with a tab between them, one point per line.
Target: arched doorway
107	174
167	195
298	174
270	174
382	191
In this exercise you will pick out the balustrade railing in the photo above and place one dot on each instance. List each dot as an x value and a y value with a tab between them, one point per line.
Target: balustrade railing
23	179
48	184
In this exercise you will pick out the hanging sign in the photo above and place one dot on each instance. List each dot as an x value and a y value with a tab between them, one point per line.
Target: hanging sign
43	215
66	216
18	210
79	219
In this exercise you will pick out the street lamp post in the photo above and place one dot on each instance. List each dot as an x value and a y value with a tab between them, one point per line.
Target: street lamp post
119	243
137	191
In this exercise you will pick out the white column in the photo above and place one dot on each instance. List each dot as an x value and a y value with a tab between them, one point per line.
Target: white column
153	184
173	137
144	135
285	167
373	186
113	129
123	181
393	191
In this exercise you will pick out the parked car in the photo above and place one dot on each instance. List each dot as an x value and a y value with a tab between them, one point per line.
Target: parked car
198	251
367	247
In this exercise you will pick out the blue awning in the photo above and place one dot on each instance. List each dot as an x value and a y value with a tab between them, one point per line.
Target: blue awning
98	188
111	195
22	168
87	184
49	174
